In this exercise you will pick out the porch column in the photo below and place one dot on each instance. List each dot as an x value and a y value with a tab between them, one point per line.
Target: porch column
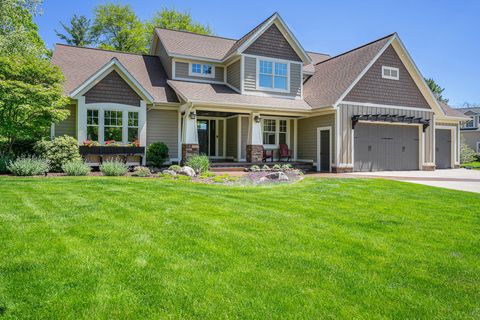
254	141
189	135
142	124
81	120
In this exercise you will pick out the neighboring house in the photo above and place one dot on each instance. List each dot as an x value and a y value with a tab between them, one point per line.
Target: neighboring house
470	129
364	110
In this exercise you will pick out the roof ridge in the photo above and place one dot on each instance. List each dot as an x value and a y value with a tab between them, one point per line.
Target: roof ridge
107	50
357	48
197	34
320	53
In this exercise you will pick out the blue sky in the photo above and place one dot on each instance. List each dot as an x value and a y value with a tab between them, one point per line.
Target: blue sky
442	36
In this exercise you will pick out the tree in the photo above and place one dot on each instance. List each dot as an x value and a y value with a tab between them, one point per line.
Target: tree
31	98
18	32
436	90
117	27
79	33
174	20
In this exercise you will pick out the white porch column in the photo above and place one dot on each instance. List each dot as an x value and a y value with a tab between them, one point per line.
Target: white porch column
81	120
142	124
255	139
189	134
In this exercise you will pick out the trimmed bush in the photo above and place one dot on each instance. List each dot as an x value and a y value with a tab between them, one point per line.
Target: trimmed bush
76	168
467	154
287	167
5	159
175	167
157	154
254	168
59	151
199	163
141	172
114	168
277	167
28	166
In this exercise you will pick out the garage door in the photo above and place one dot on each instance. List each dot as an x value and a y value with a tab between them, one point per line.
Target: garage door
443	148
385	147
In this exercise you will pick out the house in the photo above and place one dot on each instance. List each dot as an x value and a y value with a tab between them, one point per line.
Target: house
470	130
367	109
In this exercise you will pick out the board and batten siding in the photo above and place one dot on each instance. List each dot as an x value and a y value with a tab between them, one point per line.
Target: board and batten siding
69	125
181	71
346	111
307	136
232	137
250	79
233	74
162	126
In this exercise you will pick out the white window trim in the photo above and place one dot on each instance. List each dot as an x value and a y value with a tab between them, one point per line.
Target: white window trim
478	146
390	69
202	75
273	61
473	123
277	132
133	127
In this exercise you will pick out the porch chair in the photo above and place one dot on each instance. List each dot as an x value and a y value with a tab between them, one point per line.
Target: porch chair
284	152
267	154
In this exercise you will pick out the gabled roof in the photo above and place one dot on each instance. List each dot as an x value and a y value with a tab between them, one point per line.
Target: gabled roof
316	58
78	64
472	110
451	112
335	75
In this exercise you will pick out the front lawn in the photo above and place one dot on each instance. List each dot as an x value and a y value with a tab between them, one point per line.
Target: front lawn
472	165
132	248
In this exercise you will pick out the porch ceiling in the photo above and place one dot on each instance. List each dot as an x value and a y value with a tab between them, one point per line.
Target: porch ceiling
203	113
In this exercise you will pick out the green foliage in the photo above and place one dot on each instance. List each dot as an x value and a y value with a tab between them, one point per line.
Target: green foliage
114	168
141	172
254	168
467	154
59	151
175	167
79	33
265	168
436	89
117	27
199	163
28	166
157	153
286	167
18	33
277	167
183	178
206	175
76	168
165	176
5	160
31	98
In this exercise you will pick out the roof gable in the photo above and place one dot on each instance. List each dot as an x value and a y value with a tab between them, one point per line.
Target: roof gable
114	89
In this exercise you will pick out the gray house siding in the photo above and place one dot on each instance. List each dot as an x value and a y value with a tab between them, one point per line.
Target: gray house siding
112	89
372	88
181	71
162	126
470	138
250	81
307	136
274	45
233	74
69	125
164	58
345	113
232	137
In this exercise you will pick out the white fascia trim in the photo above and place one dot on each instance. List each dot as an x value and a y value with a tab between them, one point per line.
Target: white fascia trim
188	57
113	64
360	76
255	107
259	93
197	80
375	105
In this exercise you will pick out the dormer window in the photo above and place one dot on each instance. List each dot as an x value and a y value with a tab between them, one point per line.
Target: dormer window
202	70
272	75
390	73
470	123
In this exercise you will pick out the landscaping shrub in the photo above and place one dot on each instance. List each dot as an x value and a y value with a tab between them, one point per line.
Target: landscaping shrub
141	172
5	159
59	151
254	168
113	168
174	167
199	163
286	167
467	154
157	153
277	167
265	168
28	166
76	168
19	147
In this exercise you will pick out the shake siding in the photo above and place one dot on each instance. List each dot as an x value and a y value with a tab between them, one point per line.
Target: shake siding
181	71
112	89
232	137
373	88
233	74
345	112
164	58
244	137
162	126
250	82
307	136
69	125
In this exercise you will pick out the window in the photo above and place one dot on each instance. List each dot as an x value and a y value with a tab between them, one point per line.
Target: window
92	125
113	126
201	70
273	75
274	131
132	126
390	73
470	123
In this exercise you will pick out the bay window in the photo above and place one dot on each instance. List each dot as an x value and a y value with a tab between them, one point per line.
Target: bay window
273	75
113	125
92	125
275	132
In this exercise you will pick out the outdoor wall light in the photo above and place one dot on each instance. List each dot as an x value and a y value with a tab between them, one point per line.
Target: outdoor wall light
257	119
192	115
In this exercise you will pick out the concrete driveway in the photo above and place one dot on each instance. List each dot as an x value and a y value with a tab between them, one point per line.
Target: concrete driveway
457	179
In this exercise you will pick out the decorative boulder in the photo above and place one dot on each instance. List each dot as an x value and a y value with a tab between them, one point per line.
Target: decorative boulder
279	176
187	171
170	173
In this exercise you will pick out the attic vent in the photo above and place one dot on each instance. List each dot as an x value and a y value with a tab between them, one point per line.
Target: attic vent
390	73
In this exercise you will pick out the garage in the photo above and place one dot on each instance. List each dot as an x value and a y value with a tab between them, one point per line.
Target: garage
382	147
443	148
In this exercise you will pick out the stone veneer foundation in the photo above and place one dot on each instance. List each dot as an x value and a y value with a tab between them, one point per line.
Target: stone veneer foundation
189	150
428	167
254	153
342	169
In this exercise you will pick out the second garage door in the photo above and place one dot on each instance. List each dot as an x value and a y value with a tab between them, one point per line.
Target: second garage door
381	147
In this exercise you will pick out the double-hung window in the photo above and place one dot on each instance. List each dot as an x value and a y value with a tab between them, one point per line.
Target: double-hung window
274	132
113	125
470	123
92	124
201	70
273	75
132	126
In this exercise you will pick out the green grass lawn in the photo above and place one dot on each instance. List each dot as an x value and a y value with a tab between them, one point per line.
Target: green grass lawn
129	248
473	165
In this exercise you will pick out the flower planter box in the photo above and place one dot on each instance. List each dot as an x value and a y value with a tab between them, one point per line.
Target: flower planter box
107	150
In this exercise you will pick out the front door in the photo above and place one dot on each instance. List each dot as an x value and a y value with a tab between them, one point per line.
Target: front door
323	149
206	137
